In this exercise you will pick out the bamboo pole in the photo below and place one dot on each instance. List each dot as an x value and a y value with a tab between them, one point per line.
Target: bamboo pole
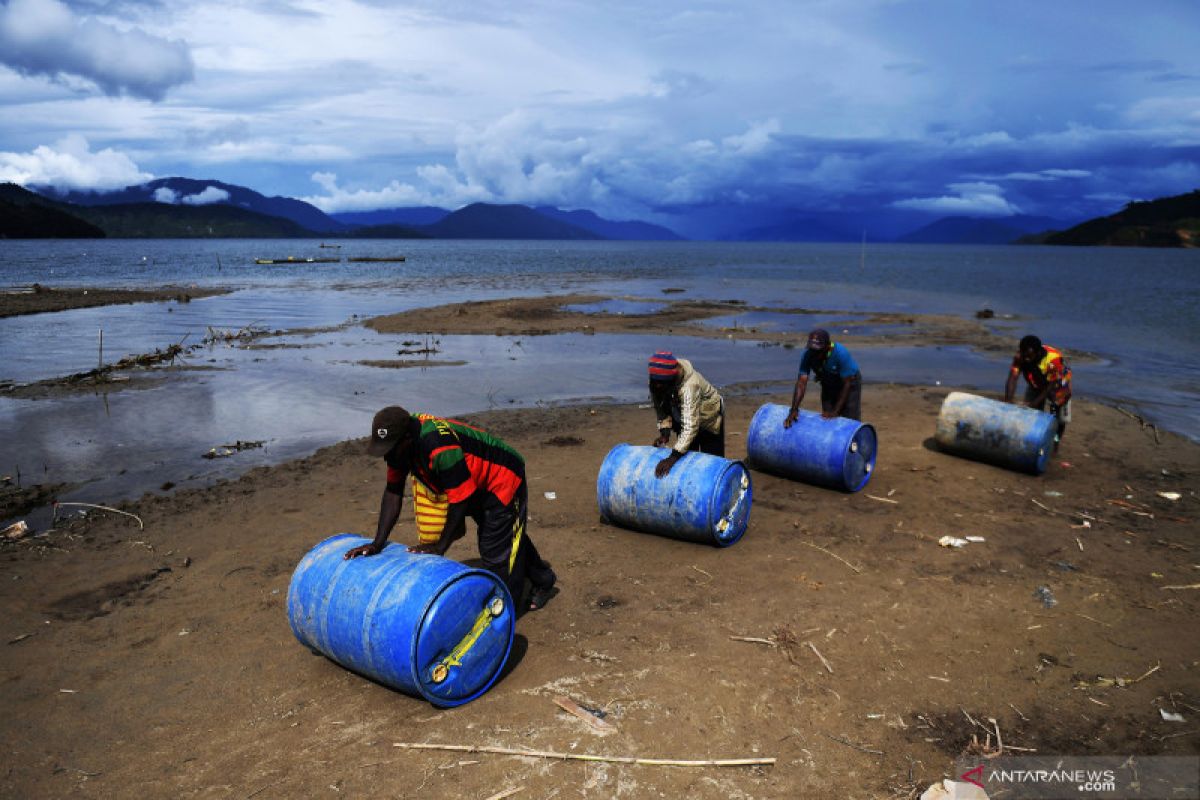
660	762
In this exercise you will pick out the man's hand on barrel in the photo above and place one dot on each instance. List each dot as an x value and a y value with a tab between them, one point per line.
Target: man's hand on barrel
362	550
428	548
790	419
664	466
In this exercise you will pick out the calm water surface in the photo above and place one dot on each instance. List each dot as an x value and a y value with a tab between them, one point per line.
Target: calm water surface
1135	309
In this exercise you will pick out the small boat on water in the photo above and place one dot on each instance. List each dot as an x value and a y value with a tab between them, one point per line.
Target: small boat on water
294	260
330	246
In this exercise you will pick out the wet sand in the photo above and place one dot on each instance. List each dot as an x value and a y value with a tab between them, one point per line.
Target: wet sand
38	299
158	662
534	316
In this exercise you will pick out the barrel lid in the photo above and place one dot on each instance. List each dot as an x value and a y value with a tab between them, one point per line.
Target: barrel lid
859	464
463	639
732	499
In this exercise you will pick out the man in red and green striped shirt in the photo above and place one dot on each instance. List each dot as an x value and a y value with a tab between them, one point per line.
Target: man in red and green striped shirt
480	475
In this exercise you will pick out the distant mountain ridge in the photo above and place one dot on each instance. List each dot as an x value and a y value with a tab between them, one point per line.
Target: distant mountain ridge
1166	222
628	230
412	217
190	192
488	221
187	207
176	206
980	230
26	215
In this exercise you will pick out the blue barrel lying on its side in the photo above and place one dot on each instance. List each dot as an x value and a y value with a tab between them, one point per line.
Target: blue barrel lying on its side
1000	433
422	624
838	453
702	499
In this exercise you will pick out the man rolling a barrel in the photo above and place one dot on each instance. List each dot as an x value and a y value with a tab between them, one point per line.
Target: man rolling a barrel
684	402
481	477
1048	378
838	374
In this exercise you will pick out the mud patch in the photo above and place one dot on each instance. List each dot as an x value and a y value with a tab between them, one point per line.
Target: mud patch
17	500
37	299
97	602
408	363
1048	731
563	441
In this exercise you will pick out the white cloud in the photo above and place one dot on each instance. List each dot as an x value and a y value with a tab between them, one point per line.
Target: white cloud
1041	176
210	195
44	37
394	195
974	199
71	164
1067	173
755	140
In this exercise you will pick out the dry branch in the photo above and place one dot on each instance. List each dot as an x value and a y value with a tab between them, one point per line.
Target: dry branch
660	762
813	647
857	570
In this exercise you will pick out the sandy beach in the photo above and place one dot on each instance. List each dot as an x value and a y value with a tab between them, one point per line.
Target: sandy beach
37	299
152	657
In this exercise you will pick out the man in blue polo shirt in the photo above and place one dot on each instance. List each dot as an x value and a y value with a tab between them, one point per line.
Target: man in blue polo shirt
838	374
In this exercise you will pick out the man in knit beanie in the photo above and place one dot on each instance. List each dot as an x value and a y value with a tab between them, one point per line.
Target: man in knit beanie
686	404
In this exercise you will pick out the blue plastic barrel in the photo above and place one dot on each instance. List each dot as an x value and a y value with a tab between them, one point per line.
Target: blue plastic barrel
422	624
838	453
702	499
1008	435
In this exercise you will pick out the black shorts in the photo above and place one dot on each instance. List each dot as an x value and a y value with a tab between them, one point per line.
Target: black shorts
505	546
831	390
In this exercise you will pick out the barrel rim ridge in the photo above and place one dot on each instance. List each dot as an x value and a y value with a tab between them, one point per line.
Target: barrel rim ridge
423	617
741	467
869	472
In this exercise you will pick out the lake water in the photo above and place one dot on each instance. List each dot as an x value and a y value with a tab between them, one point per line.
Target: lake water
1136	309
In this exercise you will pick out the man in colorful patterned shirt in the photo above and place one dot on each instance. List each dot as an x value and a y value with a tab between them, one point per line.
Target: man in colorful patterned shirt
1048	378
684	402
481	477
838	374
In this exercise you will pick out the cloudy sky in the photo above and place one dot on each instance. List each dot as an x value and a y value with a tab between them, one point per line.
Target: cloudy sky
701	114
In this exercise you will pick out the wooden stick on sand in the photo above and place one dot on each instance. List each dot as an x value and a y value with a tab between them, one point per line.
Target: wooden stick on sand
834	555
660	762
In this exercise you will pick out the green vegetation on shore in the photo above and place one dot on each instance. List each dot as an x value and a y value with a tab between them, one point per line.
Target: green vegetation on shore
1166	222
25	215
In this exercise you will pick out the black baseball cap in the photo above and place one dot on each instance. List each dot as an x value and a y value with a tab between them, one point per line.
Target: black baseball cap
389	426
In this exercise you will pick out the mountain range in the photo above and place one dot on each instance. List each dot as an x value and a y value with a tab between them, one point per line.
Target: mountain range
188	208
976	230
1166	222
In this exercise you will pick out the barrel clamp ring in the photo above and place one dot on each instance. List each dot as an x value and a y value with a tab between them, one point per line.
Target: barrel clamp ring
441	671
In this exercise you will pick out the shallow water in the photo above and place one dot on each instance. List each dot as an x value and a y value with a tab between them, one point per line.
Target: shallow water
1136	309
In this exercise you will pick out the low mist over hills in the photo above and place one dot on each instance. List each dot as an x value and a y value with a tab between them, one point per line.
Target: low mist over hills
189	208
190	193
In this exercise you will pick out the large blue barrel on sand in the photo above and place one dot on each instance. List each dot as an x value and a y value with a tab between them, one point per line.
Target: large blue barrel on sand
422	624
702	499
1000	433
838	453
